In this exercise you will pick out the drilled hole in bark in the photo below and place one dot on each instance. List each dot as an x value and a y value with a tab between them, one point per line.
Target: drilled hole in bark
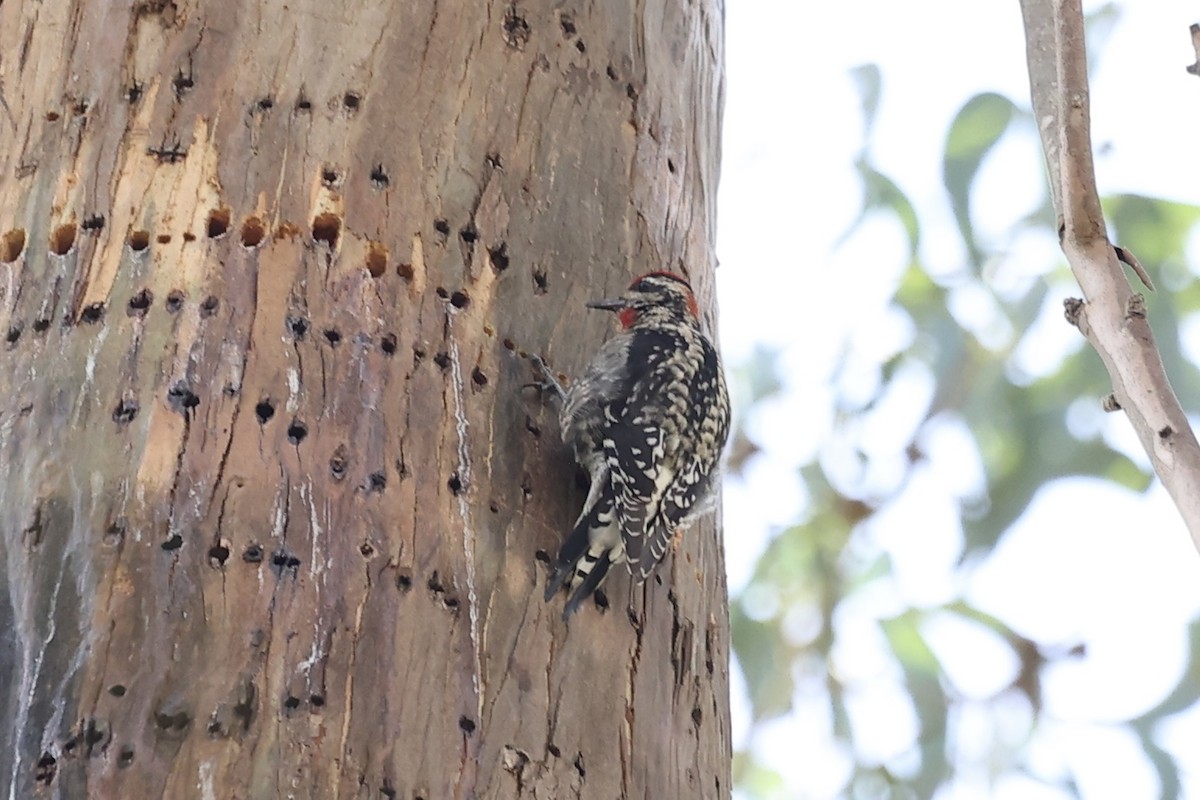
117	690
540	283
92	313
296	432
418	355
553	750
460	299
46	768
291	702
287	230
188	236
218	554
115	534
498	255
405	271
139	240
455	483
209	306
404	580
468	234
387	343
579	765
125	757
253	232
494	508
611	72
326	228
63	239
316	700
173	543
366	550
435	584
479	378
182	398
52	116
379	177
376	259
281	560
174	301
333	336
509	344
218	222
542	556
442	359
140	303
442	227
41	325
515	29
580	46
351	101
697	716
298	326
466	725
253	554
303	104
182	83
11	245
94	222
13	335
339	462
670	166
442	292
493	161
264	410
329	176
265	103
451	603
125	411
377	481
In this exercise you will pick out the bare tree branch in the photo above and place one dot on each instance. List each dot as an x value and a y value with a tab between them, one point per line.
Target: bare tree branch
1113	316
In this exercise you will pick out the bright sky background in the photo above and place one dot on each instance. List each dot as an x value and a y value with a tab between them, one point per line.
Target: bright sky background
1087	562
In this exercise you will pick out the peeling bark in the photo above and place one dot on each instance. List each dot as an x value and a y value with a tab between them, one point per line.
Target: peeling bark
272	496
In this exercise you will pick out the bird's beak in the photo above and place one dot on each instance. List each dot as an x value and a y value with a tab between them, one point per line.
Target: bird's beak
615	304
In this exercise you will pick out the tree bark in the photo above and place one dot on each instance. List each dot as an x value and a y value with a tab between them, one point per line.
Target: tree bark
272	499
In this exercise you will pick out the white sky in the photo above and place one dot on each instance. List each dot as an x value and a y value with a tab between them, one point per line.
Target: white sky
1088	562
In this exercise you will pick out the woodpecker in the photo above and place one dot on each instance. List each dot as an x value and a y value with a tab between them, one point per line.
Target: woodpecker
648	420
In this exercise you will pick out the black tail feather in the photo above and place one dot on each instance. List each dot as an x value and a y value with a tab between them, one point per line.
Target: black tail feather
576	544
588	586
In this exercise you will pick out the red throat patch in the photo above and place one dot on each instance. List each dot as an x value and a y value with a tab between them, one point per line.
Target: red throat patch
627	316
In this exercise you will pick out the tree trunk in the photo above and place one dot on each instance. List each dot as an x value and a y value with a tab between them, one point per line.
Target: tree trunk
273	500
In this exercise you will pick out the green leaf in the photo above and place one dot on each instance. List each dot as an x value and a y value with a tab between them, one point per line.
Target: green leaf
974	132
868	81
880	193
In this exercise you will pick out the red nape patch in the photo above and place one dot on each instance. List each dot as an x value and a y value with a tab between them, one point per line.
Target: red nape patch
628	316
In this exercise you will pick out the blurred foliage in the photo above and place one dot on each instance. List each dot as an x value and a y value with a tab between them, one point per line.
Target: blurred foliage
785	623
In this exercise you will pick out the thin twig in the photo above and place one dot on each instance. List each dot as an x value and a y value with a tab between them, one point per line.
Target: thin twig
1112	316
